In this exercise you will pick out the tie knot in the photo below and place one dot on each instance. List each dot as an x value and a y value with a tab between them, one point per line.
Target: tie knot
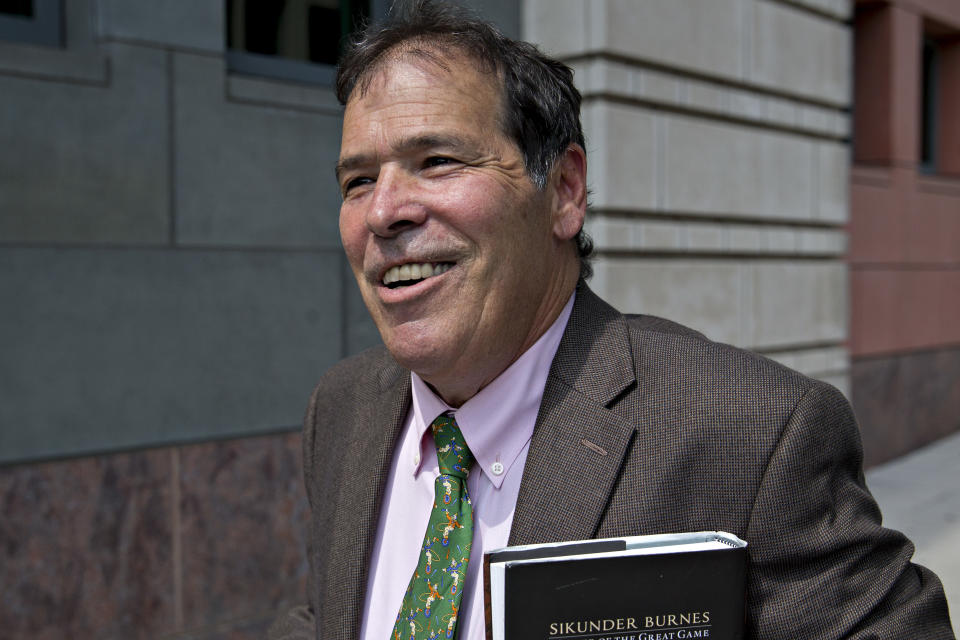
452	453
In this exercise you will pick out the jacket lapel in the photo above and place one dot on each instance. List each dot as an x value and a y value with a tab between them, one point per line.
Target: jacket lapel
578	444
371	439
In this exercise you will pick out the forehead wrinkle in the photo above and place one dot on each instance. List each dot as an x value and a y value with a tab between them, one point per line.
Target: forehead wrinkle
402	147
428	141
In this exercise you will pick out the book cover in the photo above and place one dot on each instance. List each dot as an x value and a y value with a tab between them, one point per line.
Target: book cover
670	587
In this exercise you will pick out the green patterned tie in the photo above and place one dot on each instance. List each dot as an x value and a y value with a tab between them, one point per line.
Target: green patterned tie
432	601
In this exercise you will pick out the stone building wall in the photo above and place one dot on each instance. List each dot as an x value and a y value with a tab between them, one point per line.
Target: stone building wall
171	286
718	157
172	282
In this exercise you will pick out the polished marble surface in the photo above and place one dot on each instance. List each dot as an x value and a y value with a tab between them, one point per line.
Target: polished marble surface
242	513
86	548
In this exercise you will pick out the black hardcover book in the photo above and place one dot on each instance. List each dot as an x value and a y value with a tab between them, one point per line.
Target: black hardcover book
663	587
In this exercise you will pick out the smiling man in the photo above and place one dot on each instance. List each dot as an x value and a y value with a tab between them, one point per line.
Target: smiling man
462	260
509	404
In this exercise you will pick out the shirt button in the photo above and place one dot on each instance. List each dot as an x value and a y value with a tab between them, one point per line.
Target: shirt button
496	468
416	459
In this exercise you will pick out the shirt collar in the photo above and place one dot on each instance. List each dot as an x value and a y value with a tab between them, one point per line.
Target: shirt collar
498	422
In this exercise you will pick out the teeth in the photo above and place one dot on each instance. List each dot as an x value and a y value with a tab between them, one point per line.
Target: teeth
414	272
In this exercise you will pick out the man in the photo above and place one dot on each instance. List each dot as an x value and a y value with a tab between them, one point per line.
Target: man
463	175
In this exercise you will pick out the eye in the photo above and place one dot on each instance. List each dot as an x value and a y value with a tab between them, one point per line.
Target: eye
353	183
437	161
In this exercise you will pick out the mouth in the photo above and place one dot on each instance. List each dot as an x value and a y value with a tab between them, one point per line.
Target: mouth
406	275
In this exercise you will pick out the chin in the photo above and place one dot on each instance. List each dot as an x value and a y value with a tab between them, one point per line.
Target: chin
417	352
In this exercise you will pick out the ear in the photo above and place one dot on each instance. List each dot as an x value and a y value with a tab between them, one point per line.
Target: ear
569	184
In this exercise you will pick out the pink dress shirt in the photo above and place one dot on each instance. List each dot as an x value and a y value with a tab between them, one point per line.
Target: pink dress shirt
497	424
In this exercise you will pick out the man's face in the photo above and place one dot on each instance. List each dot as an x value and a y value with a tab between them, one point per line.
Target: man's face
432	185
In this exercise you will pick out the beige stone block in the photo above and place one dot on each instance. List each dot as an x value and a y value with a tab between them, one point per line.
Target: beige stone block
701	35
839	9
615	77
662	236
706	237
658	86
744	239
840	125
611	233
780	240
720	168
801	53
559	27
703	294
706	96
815	364
782	111
622	156
836	359
788	359
786	176
798	302
744	104
586	77
815	118
823	242
833	175
710	167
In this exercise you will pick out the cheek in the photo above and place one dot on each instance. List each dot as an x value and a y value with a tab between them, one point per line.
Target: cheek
351	235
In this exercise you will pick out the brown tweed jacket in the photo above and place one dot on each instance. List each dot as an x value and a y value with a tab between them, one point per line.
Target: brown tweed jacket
684	435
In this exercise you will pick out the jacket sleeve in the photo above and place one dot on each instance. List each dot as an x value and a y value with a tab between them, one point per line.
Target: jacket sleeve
823	566
296	624
299	623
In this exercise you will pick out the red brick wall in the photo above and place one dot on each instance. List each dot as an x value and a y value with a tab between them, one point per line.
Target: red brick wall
904	230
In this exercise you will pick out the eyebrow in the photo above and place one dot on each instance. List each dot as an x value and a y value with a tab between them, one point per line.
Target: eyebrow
407	145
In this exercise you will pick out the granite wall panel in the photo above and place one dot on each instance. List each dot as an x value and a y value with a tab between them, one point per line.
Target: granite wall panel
243	511
85	548
193	542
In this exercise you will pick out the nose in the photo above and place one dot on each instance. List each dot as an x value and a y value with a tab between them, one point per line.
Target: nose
394	207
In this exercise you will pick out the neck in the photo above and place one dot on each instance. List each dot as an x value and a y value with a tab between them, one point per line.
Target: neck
456	387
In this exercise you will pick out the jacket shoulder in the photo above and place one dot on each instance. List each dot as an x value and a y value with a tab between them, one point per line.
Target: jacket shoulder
689	351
